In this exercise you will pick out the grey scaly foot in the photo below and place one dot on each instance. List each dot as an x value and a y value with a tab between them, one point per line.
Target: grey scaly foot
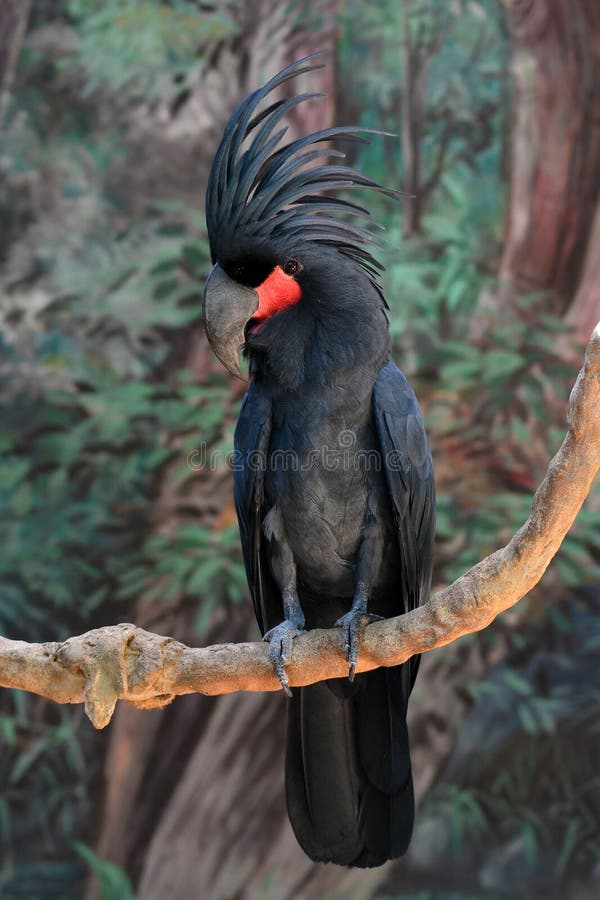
281	639
353	623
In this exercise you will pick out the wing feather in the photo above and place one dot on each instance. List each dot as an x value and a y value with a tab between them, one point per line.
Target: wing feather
251	443
409	472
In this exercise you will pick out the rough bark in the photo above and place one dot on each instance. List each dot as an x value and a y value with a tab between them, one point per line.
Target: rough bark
555	180
125	662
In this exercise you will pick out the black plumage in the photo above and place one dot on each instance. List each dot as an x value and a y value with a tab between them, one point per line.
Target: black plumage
333	479
262	195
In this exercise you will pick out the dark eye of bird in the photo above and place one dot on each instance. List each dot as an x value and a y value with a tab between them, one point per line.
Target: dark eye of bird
292	267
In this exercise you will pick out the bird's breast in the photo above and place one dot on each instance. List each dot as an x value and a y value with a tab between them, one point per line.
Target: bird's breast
319	474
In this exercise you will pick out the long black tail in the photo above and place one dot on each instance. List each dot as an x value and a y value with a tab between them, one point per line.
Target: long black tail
348	777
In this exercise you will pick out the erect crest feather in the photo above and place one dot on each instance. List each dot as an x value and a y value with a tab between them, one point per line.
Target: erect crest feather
260	190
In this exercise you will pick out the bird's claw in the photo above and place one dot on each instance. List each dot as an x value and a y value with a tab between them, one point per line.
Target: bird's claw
353	623
280	640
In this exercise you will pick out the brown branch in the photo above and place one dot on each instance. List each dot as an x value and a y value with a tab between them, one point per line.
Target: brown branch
128	663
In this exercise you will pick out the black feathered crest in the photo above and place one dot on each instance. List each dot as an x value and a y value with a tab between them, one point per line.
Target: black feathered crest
270	193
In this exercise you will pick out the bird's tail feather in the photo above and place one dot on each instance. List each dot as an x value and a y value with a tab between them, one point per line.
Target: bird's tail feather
348	777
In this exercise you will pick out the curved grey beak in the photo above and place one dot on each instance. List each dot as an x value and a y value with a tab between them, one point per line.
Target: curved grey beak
228	307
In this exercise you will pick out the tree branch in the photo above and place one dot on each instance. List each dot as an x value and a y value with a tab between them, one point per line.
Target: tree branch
128	663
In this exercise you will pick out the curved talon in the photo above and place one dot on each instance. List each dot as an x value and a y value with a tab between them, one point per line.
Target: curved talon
280	640
353	623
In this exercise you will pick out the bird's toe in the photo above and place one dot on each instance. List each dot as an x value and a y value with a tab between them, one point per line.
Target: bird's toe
353	623
281	641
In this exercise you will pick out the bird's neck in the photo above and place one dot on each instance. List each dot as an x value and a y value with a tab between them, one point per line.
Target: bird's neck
307	348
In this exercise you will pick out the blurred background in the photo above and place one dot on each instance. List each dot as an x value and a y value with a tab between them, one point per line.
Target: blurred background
111	111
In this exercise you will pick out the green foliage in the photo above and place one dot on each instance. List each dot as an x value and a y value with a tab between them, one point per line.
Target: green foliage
83	452
139	48
24	744
48	878
196	561
504	417
524	766
460	50
433	284
464	810
45	780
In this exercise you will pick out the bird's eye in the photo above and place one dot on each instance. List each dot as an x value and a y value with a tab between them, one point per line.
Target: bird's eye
292	267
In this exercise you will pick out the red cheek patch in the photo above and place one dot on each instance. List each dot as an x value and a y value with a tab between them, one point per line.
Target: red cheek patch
276	293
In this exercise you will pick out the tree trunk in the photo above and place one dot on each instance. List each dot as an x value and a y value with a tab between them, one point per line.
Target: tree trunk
13	21
14	15
551	241
411	150
411	119
584	310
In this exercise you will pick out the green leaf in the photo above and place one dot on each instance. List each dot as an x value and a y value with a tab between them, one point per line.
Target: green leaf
517	683
501	363
22	499
113	882
202	579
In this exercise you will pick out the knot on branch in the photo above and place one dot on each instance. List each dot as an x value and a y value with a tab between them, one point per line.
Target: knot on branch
120	661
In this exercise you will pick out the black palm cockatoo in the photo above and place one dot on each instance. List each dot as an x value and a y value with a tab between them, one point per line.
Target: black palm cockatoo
333	479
